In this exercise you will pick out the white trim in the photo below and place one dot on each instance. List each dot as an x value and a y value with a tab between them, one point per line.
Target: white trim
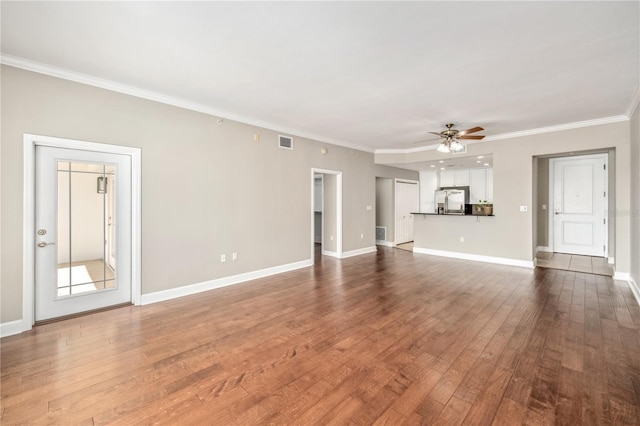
544	248
621	276
476	257
30	142
530	132
612	260
330	253
338	175
64	74
635	102
384	243
635	289
12	327
160	296
359	252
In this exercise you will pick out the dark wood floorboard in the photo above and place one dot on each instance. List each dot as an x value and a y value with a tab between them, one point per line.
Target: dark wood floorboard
386	338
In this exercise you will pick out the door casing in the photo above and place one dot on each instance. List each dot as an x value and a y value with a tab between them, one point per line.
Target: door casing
30	141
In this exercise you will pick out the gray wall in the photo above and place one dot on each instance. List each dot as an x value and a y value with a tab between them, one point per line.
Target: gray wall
635	196
385	206
207	189
512	230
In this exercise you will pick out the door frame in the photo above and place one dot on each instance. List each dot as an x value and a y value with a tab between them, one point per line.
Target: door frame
551	209
30	141
338	175
395	205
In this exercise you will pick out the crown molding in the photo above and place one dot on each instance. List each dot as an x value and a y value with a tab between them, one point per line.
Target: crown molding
635	102
538	131
77	77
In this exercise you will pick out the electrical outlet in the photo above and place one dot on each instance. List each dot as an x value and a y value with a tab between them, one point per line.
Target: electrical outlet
362	236
223	258
462	239
369	208
544	207
331	238
234	256
523	208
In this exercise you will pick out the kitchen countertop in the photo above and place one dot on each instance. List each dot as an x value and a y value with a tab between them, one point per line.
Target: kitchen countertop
453	214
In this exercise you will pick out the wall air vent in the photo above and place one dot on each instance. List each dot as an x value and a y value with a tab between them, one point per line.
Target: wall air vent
285	142
381	233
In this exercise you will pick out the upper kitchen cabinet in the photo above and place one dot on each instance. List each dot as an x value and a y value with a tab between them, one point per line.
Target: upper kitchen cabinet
477	185
454	178
489	190
428	187
461	178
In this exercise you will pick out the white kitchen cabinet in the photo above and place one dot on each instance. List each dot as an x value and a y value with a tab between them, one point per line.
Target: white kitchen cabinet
447	178
461	177
428	186
489	185
477	185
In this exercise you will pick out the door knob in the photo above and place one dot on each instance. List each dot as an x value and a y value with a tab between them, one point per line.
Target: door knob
43	244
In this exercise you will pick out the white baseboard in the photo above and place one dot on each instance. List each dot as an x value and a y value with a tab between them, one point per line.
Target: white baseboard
621	276
544	248
384	243
12	327
187	290
612	260
358	252
330	253
635	289
476	257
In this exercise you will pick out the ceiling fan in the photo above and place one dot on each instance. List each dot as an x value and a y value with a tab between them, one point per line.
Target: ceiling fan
451	138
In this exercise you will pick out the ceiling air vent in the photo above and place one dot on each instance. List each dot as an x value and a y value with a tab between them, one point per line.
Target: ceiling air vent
285	142
462	151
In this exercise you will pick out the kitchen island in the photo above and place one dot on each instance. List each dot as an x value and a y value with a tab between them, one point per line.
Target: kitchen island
468	237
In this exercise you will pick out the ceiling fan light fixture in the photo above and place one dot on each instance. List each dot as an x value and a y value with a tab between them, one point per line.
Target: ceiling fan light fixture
443	147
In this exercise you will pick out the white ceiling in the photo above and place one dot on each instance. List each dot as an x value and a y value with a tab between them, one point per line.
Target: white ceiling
374	75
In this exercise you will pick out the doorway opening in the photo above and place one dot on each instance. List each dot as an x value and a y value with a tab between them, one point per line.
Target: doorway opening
81	227
326	213
573	194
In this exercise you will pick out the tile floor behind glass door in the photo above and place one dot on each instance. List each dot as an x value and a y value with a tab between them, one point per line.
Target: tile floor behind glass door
573	262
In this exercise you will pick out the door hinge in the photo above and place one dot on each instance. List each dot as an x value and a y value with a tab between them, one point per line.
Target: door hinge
604	166
604	249
604	221
605	194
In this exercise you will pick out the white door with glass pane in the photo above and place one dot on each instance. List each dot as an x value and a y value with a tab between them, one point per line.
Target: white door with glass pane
82	260
579	204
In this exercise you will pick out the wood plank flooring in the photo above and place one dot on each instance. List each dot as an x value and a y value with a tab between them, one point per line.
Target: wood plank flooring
387	338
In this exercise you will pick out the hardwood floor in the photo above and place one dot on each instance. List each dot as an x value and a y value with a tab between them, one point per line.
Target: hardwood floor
386	338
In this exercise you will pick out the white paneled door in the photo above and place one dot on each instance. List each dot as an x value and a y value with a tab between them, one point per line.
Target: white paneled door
407	202
82	260
579	205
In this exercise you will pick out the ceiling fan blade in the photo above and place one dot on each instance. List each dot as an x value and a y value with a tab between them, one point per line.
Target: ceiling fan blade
473	130
434	133
476	137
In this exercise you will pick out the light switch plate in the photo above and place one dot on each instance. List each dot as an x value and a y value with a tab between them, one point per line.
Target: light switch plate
523	208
